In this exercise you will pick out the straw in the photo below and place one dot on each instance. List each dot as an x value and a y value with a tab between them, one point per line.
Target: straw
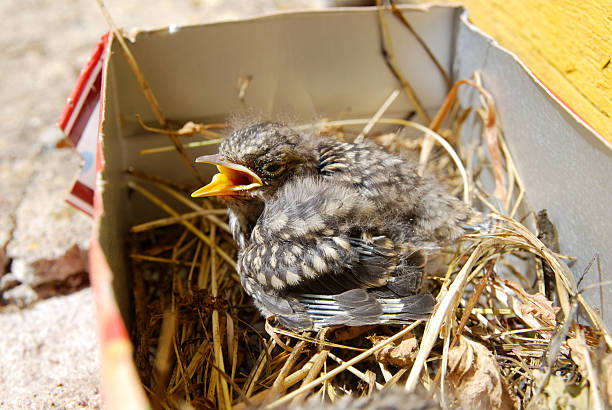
221	353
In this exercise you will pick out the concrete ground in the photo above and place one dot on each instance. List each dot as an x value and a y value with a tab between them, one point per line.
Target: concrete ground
48	344
50	355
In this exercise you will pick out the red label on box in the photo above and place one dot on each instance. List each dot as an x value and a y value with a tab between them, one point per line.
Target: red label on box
80	121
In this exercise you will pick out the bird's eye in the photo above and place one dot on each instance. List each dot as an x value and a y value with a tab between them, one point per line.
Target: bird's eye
272	167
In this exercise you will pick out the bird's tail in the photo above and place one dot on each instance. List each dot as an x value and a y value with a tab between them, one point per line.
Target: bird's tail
355	307
358	307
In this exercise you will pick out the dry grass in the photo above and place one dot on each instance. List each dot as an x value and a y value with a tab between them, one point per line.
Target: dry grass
201	344
492	341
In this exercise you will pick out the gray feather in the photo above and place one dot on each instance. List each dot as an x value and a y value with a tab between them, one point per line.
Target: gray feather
338	233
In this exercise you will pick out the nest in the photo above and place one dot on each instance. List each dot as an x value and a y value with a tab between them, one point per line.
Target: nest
503	334
495	339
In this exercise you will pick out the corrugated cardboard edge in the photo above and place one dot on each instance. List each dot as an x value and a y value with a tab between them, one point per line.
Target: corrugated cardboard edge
81	120
132	33
121	386
554	150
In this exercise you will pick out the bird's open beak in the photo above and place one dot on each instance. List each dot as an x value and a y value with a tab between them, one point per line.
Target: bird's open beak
231	179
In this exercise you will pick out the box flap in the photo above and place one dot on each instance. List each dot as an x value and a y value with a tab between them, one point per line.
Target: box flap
565	165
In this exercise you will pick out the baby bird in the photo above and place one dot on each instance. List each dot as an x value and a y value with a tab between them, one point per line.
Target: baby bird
330	232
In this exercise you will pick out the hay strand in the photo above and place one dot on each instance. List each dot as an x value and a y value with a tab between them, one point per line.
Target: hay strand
220	353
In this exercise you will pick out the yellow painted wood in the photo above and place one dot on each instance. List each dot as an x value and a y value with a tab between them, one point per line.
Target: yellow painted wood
566	43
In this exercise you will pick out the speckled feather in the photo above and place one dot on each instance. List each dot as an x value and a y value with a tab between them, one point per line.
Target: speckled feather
339	231
426	210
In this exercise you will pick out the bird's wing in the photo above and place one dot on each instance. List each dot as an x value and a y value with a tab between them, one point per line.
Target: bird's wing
310	237
434	215
357	307
286	309
313	261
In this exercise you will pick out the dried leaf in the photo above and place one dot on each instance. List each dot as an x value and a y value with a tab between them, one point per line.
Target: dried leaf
537	303
491	136
191	128
590	369
535	310
400	355
606	378
474	380
558	394
577	350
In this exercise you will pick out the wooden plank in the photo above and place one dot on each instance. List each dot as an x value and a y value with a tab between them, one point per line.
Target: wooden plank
566	43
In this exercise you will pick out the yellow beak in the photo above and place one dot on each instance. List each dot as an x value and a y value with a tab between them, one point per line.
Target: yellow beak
231	179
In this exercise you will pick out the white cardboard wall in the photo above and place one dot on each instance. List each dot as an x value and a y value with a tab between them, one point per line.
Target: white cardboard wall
329	63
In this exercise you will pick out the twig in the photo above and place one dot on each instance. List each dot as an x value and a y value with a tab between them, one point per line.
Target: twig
158	259
553	349
464	318
396	377
594	317
444	366
162	359
196	361
432	329
353	370
159	223
311	339
472	302
343	367
233	384
441	114
146	89
234	352
596	401
265	353
277	387
188	225
288	382
383	108
150	96
317	364
223	392
195	144
183	199
389	55
181	370
195	129
398	13
154	178
491	135
269	329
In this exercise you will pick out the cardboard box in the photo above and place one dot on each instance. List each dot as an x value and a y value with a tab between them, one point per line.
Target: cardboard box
328	64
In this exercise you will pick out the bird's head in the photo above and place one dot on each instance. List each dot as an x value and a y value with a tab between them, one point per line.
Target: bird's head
256	160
